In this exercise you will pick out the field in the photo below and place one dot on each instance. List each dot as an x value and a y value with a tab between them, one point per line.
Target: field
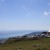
28	45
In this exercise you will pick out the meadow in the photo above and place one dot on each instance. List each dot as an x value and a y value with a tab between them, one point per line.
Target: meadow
41	44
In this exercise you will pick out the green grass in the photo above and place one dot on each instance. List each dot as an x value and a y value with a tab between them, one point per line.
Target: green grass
27	44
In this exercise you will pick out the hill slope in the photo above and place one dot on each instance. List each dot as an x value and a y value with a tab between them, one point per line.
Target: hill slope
27	44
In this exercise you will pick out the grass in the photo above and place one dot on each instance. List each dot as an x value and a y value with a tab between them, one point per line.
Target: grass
28	45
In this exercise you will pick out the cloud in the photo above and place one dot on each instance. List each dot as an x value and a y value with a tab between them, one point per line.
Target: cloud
48	3
45	13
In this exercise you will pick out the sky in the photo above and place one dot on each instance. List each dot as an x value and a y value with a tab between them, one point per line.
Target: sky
24	14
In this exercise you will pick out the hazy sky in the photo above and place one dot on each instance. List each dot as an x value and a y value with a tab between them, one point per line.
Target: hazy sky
24	14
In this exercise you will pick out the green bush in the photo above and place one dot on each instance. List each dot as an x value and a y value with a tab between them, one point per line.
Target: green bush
42	49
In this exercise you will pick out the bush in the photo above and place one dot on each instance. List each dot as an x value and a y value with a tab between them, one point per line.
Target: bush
42	49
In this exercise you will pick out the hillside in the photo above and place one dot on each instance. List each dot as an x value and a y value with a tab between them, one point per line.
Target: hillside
43	43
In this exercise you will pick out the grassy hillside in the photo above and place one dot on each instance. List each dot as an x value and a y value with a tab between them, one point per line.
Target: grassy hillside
28	45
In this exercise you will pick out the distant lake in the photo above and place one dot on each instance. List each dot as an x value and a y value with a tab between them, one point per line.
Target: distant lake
7	34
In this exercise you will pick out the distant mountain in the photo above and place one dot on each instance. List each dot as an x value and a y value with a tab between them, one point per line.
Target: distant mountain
34	33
